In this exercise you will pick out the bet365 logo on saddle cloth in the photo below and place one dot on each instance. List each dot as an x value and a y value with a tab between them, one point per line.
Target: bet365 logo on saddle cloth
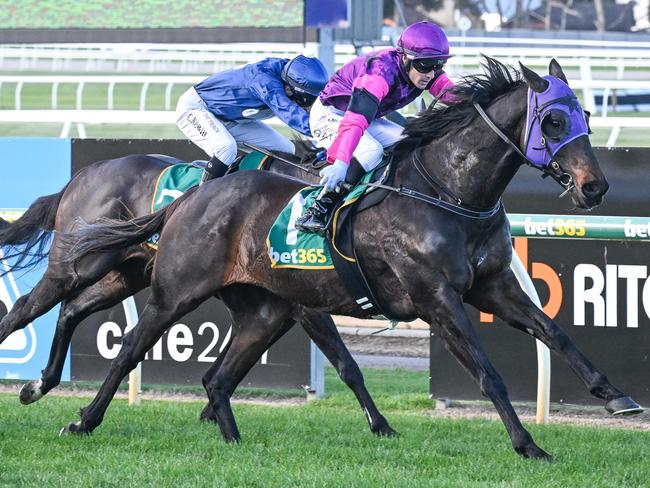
290	248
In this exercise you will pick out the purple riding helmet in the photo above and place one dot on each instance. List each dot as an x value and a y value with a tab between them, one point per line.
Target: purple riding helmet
554	119
424	40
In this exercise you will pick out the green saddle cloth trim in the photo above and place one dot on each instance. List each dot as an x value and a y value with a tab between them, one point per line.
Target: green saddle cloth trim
178	178
290	248
173	182
253	160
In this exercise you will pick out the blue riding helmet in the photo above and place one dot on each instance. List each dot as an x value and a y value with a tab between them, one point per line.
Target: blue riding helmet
305	75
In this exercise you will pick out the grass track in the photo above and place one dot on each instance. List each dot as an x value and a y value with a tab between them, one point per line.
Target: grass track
318	444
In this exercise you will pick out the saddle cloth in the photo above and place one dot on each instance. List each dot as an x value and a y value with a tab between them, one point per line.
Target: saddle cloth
289	247
178	178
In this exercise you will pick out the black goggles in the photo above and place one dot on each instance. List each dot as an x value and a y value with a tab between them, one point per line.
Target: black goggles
428	65
303	99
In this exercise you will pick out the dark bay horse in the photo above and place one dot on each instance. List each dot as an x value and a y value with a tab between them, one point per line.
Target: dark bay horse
426	248
121	189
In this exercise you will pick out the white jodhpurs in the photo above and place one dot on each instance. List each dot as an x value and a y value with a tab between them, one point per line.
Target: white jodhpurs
220	137
324	122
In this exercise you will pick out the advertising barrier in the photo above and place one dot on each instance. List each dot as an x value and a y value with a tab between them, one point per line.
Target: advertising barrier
591	274
35	167
29	168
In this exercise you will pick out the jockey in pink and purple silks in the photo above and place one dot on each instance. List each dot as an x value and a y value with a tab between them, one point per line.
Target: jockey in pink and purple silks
348	118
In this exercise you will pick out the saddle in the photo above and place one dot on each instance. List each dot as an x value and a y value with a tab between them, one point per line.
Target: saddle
290	248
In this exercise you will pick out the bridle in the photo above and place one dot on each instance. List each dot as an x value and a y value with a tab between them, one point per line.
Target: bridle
554	118
554	170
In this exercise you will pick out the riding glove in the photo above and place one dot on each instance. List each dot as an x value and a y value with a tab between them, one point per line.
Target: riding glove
333	174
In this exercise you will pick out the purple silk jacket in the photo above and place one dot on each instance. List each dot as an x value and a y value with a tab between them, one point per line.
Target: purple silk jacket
381	74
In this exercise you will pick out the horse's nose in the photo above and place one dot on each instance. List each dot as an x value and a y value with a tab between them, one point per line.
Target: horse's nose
595	189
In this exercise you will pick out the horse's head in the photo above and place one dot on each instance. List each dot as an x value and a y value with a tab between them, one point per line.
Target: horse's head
556	137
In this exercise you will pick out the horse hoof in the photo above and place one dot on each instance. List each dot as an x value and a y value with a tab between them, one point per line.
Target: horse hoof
623	406
73	428
31	392
208	415
533	451
385	431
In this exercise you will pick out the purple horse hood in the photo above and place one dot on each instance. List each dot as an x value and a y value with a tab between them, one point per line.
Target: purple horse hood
558	101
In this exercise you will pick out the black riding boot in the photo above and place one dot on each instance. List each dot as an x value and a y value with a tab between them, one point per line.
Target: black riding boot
214	169
318	216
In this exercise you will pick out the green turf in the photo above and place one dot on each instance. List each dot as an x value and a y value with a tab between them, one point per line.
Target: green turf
319	444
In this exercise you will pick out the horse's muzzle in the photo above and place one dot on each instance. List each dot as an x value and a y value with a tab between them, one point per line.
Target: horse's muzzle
594	191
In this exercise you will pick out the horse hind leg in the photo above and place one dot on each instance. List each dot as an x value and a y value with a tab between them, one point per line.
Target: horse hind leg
207	414
321	329
45	295
154	320
119	284
259	319
58	282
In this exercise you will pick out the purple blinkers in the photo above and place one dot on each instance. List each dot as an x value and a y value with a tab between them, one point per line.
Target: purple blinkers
554	119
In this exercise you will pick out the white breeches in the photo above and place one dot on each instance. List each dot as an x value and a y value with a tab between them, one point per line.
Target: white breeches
324	123
220	137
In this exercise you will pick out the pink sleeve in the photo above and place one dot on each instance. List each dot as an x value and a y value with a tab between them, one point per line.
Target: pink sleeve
351	129
375	84
353	125
440	86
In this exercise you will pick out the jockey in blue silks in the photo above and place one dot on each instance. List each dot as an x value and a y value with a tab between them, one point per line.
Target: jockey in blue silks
348	117
227	107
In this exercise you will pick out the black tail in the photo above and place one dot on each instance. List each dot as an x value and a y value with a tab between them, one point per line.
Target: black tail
109	234
27	238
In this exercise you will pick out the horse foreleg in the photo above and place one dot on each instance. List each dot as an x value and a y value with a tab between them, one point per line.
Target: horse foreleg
450	322
207	414
127	280
321	329
502	296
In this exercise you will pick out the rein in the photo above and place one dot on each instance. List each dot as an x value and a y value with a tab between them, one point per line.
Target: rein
439	202
556	172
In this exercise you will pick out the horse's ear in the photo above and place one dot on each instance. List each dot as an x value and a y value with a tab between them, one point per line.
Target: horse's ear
535	82
554	69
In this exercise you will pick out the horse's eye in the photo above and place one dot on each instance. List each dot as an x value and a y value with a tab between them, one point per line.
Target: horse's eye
555	125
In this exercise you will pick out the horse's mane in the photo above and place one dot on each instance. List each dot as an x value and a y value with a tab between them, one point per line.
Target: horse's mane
436	121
